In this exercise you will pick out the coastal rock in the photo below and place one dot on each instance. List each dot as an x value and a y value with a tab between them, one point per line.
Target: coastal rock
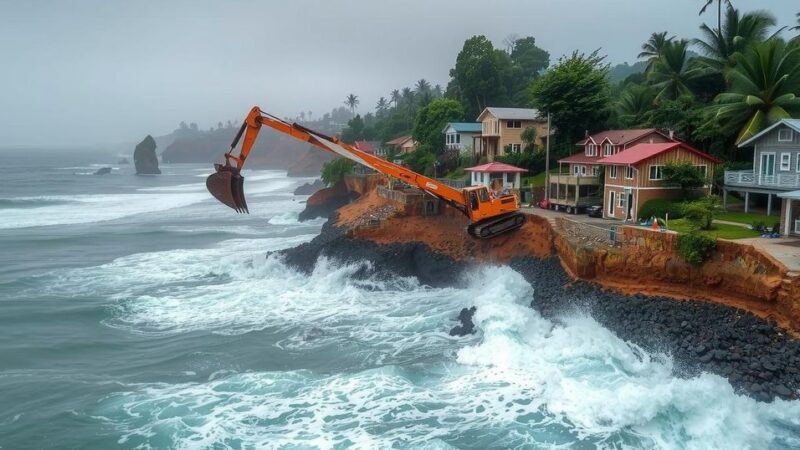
467	326
145	159
123	161
103	171
309	188
326	201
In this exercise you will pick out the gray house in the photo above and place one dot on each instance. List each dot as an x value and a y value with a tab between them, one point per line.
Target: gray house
776	169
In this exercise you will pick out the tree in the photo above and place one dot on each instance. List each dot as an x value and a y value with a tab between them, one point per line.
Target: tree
685	176
576	92
764	85
351	102
529	58
395	97
481	73
651	50
633	104
739	33
432	118
334	171
354	130
382	105
671	75
437	91
529	136
422	85
719	9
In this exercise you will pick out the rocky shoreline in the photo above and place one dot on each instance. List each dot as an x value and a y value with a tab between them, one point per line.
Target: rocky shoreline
756	356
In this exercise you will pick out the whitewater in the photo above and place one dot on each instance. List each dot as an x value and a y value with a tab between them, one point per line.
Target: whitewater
135	312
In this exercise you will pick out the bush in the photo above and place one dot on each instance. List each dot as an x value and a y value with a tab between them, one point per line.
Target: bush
334	171
700	213
659	207
695	247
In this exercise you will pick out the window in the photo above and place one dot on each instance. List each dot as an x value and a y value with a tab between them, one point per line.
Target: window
785	135
797	162
583	170
612	171
591	150
609	150
702	169
458	138
629	173
611	201
621	201
516	148
513	124
786	160
576	170
595	171
656	172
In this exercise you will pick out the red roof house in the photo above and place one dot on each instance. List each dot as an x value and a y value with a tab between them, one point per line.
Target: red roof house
485	174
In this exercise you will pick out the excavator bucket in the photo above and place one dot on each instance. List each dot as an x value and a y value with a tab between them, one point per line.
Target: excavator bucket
227	186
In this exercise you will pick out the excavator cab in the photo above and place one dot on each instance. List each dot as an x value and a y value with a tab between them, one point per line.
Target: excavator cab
490	214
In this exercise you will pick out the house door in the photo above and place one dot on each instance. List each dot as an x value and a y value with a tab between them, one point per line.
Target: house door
611	202
629	214
767	172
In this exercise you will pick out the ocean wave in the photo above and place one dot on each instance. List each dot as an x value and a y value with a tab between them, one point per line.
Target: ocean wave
291	218
32	202
524	381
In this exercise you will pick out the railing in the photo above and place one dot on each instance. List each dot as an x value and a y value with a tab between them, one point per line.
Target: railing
748	178
405	198
573	179
797	226
591	233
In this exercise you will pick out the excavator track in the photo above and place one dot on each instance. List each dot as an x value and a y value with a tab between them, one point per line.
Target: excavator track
489	228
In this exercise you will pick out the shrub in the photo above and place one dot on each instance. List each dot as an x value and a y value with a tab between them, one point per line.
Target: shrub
334	171
695	247
685	176
659	207
700	213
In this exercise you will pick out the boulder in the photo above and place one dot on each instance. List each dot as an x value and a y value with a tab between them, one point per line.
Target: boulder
309	188
145	159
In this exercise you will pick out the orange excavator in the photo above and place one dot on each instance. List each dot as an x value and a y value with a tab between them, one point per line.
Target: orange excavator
489	215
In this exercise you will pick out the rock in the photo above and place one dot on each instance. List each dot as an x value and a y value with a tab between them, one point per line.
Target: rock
325	202
103	171
782	391
123	161
769	366
309	188
145	159
467	326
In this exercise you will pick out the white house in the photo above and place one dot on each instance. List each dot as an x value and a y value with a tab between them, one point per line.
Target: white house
485	174
461	136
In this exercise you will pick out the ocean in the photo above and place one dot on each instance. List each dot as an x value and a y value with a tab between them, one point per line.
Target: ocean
136	312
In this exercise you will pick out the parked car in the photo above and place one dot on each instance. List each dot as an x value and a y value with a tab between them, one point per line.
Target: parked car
595	211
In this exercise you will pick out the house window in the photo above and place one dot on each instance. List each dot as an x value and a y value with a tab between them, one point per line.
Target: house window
458	138
786	161
656	172
797	162
611	201
702	169
595	171
612	171
576	170
583	170
785	135
516	148
513	124
608	150
629	173
621	201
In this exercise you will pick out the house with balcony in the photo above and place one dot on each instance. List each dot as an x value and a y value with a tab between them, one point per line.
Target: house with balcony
776	168
462	136
636	175
501	131
577	184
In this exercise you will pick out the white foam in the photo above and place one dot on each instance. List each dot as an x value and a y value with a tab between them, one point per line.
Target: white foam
523	382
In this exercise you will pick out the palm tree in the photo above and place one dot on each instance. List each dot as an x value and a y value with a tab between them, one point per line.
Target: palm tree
395	97
652	48
671	75
407	95
763	89
633	104
438	91
719	9
422	86
738	34
382	105
352	102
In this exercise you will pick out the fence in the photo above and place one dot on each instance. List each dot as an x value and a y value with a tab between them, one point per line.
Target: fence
457	184
592	233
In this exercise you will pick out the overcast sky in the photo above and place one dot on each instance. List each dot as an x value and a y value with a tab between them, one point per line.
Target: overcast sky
85	72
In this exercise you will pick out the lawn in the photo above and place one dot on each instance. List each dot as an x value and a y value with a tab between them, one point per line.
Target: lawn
747	218
538	179
719	230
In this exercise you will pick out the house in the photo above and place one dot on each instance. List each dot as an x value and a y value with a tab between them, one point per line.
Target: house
636	175
501	131
403	144
790	213
580	186
776	167
462	136
371	147
486	174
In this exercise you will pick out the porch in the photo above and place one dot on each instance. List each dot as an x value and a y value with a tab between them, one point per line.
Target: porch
574	191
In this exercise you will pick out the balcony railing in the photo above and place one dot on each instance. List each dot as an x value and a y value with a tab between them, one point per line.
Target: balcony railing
574	179
748	178
797	226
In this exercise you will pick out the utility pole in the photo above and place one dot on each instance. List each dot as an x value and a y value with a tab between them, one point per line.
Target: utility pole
547	162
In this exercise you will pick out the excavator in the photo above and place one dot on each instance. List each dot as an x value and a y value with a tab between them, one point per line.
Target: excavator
489	214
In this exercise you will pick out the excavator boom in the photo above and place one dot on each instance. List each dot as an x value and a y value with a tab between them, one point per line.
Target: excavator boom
490	216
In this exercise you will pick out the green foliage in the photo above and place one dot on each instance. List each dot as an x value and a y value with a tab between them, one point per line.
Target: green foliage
651	50
684	175
700	213
633	105
527	159
660	207
576	91
334	171
431	120
529	138
421	160
695	248
480	75
354	131
738	33
671	75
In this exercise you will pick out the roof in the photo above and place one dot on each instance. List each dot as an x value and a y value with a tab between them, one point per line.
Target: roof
495	167
793	195
399	140
580	158
619	137
791	123
366	146
511	113
641	152
463	127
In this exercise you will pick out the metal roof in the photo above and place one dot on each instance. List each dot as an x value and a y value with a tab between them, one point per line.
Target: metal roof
511	113
495	167
619	137
792	195
791	123
464	127
641	152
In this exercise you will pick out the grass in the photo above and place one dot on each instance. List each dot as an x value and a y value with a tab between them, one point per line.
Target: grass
718	230
747	218
538	179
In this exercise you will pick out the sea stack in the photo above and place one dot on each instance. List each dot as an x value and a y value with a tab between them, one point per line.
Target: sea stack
144	157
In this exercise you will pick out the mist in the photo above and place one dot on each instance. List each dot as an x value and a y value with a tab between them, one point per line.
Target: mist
96	72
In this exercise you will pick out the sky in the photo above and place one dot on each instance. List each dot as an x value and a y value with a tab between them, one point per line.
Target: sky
94	72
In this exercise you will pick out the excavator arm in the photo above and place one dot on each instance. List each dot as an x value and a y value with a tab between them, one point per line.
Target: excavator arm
489	215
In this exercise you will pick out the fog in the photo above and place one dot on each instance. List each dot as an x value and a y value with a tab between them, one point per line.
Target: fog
92	72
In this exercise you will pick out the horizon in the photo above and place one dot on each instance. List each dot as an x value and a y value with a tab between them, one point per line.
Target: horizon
108	73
